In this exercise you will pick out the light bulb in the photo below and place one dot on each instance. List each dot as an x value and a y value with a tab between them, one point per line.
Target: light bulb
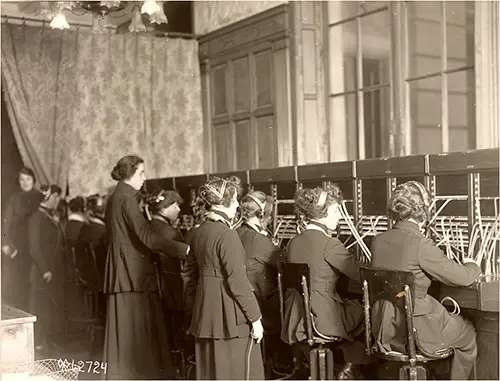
59	22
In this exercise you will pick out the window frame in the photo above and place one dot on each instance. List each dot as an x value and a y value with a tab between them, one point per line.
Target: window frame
360	89
408	130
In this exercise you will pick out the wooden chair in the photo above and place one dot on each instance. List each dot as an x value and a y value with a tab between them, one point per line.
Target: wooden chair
88	281
296	276
397	288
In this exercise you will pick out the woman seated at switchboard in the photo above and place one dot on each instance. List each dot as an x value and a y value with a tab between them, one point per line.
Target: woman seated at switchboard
404	247
164	208
262	256
327	259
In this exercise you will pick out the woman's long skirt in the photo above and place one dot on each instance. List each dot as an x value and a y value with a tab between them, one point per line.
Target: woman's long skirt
227	359
136	344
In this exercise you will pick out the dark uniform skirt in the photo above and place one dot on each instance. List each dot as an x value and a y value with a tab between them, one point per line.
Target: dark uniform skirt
227	359
136	343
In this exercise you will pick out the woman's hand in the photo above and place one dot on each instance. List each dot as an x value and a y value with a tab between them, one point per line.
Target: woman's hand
47	276
257	330
9	251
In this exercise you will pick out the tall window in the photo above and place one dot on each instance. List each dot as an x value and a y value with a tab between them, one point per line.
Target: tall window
359	76
439	78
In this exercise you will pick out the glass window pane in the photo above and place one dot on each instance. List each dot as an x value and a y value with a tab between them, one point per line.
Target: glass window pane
344	127
425	114
461	110
459	33
377	122
341	10
375	40
342	57
424	37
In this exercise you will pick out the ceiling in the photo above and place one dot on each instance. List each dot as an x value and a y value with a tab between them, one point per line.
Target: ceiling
179	13
30	10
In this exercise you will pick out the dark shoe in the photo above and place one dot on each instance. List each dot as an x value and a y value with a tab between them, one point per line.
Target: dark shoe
350	371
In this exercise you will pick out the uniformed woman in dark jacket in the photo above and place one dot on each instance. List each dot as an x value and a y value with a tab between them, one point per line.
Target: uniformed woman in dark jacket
47	250
262	256
404	247
225	314
135	335
164	208
327	259
16	264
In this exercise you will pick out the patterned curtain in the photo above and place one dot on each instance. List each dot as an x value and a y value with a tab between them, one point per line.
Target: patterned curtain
123	94
38	75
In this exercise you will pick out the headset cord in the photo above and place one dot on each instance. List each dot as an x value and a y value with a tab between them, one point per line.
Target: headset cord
248	357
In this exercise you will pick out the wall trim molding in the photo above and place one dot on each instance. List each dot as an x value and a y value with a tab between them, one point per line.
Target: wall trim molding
269	25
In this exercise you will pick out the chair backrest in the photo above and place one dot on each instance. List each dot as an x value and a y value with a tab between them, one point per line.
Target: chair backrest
296	276
86	266
396	287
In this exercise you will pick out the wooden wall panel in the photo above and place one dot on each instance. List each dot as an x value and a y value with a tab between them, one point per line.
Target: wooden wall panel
219	95
244	152
249	81
241	81
266	142
263	63
223	138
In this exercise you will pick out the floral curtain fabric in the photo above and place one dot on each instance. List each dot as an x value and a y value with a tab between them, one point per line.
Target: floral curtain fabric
96	97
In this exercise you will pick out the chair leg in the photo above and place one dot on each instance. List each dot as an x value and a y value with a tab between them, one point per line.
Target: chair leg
409	372
321	363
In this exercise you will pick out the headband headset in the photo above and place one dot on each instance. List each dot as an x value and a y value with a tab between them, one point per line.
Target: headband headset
262	205
424	194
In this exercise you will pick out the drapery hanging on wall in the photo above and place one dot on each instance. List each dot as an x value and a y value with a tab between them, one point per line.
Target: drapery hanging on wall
115	95
38	76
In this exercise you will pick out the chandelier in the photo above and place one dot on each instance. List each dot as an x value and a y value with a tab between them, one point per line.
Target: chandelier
53	11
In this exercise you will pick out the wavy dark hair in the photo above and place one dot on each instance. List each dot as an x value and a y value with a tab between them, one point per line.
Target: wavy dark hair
126	167
409	200
162	198
250	208
96	204
49	190
27	171
218	191
307	201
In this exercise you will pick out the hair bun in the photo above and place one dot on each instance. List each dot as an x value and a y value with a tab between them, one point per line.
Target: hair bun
115	174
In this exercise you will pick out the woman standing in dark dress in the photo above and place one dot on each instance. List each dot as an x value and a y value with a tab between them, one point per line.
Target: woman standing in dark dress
17	263
47	249
164	207
226	316
327	259
405	248
136	345
262	256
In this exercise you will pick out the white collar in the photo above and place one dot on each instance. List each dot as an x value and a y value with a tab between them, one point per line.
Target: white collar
96	220
256	228
76	217
316	227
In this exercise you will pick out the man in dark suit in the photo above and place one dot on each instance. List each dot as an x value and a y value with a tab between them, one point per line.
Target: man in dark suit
135	335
